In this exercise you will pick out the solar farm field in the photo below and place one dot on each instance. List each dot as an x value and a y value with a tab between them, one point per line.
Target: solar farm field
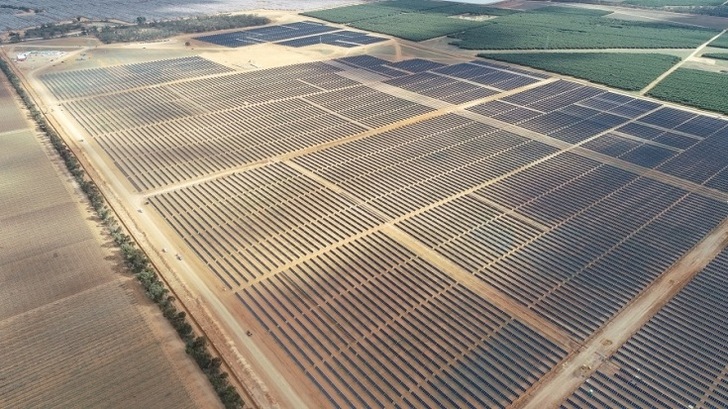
677	359
73	331
299	34
409	233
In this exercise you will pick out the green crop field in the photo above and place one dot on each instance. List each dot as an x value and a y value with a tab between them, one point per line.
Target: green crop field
625	71
716	56
720	42
410	19
701	89
349	14
417	26
456	9
565	28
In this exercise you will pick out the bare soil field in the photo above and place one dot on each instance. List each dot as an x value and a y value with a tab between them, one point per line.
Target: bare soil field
395	225
74	331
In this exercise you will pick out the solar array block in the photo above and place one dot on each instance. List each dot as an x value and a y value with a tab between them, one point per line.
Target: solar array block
416	65
677	359
267	34
667	117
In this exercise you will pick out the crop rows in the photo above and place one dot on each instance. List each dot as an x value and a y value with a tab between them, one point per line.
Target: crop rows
571	28
371	324
44	345
630	71
677	359
701	89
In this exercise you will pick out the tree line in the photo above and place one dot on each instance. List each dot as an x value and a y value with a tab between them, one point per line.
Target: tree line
134	258
143	31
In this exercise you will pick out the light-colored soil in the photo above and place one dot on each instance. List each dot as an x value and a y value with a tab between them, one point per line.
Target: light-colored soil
74	330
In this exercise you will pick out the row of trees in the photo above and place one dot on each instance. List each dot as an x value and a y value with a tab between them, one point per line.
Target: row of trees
20	8
134	258
155	30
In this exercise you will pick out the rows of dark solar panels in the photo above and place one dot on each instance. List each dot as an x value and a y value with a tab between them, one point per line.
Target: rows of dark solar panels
343	38
154	133
95	81
679	359
366	320
680	143
299	34
460	83
565	110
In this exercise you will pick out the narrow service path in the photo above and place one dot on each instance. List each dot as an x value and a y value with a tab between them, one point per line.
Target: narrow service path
678	65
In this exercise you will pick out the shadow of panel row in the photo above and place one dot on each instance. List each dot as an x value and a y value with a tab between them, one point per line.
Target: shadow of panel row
678	359
371	325
570	238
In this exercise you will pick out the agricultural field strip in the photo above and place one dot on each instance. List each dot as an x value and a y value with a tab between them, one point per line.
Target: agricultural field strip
674	68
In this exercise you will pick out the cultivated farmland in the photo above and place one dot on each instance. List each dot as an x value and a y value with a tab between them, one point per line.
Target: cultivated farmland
74	332
696	88
565	28
716	56
626	71
410	233
720	42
